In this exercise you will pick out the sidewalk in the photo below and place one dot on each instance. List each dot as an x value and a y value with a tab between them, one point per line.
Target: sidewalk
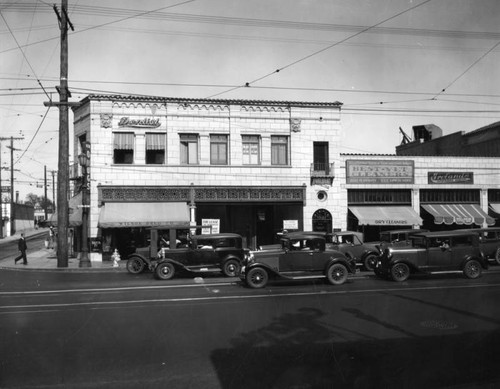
41	258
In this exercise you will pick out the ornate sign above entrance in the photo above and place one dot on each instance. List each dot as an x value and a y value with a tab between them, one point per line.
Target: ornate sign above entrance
379	172
146	122
450	178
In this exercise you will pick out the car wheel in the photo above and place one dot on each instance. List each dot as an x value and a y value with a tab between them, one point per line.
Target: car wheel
164	271
472	269
370	262
257	277
336	274
231	268
400	272
497	256
135	265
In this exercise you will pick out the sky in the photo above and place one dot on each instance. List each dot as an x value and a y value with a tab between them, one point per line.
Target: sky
391	63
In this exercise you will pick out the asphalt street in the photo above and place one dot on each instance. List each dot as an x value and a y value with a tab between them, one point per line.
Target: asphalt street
116	330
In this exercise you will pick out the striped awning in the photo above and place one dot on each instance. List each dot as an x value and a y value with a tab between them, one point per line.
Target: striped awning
386	216
495	207
155	141
459	214
123	141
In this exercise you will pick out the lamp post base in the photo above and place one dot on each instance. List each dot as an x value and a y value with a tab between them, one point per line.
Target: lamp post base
85	260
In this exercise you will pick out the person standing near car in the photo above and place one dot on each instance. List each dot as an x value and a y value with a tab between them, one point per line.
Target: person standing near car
21	244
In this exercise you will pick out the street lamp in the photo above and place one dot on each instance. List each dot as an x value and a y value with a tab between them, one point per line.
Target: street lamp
83	160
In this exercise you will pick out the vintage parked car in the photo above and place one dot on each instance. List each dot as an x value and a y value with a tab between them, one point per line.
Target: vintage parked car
489	242
352	244
301	256
397	237
433	252
201	254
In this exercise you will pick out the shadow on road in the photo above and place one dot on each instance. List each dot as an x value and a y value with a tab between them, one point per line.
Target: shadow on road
298	351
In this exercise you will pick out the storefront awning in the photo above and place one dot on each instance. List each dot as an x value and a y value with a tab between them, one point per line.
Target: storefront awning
75	212
495	207
386	216
119	215
458	213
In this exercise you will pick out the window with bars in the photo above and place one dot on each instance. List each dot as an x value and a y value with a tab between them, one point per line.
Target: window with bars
189	149
155	148
279	150
251	149
123	147
218	149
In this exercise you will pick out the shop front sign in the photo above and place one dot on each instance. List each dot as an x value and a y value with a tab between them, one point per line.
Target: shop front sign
450	178
380	172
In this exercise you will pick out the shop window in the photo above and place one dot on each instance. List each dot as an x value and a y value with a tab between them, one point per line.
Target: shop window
251	149
448	196
322	221
279	150
123	147
189	149
218	149
155	148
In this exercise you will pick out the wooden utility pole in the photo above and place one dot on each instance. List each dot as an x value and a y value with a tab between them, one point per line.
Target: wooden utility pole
45	190
12	207
63	163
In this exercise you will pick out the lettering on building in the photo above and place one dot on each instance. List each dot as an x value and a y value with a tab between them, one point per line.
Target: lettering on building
450	178
379	172
144	123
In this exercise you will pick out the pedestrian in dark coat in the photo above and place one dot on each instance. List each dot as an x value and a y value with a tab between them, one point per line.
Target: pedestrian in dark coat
21	244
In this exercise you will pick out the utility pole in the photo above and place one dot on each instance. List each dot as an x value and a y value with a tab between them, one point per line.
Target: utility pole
1	192
53	191
12	208
63	163
45	190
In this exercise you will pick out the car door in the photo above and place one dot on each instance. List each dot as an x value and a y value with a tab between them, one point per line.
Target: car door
438	254
298	258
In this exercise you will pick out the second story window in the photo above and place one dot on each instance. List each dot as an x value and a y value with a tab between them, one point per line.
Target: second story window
189	149
155	148
251	149
218	149
279	150
123	147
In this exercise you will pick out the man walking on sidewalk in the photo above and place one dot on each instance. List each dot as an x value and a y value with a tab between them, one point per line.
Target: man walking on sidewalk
21	244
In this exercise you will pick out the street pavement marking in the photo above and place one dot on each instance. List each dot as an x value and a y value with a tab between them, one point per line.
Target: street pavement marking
237	297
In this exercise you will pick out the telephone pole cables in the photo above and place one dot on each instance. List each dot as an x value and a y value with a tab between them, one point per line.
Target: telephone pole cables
63	163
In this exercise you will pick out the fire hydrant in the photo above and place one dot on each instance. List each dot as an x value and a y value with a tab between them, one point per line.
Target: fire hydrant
116	257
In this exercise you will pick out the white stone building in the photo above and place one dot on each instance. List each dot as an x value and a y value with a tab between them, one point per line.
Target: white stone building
250	167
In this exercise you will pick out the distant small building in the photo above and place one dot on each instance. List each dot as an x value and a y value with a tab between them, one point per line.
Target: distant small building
429	140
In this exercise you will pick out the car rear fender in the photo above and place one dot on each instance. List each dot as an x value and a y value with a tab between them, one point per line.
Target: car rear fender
482	260
370	252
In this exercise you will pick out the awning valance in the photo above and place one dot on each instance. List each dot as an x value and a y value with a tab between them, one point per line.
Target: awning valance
386	216
75	212
458	213
117	215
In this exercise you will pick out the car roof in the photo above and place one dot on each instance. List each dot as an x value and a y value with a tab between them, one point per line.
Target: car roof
482	229
445	234
217	236
304	235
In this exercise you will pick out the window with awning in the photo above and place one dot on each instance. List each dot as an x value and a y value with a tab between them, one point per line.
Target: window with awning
123	147
459	214
155	148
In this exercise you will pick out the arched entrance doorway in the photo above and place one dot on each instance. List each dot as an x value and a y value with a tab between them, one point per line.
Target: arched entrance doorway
322	221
